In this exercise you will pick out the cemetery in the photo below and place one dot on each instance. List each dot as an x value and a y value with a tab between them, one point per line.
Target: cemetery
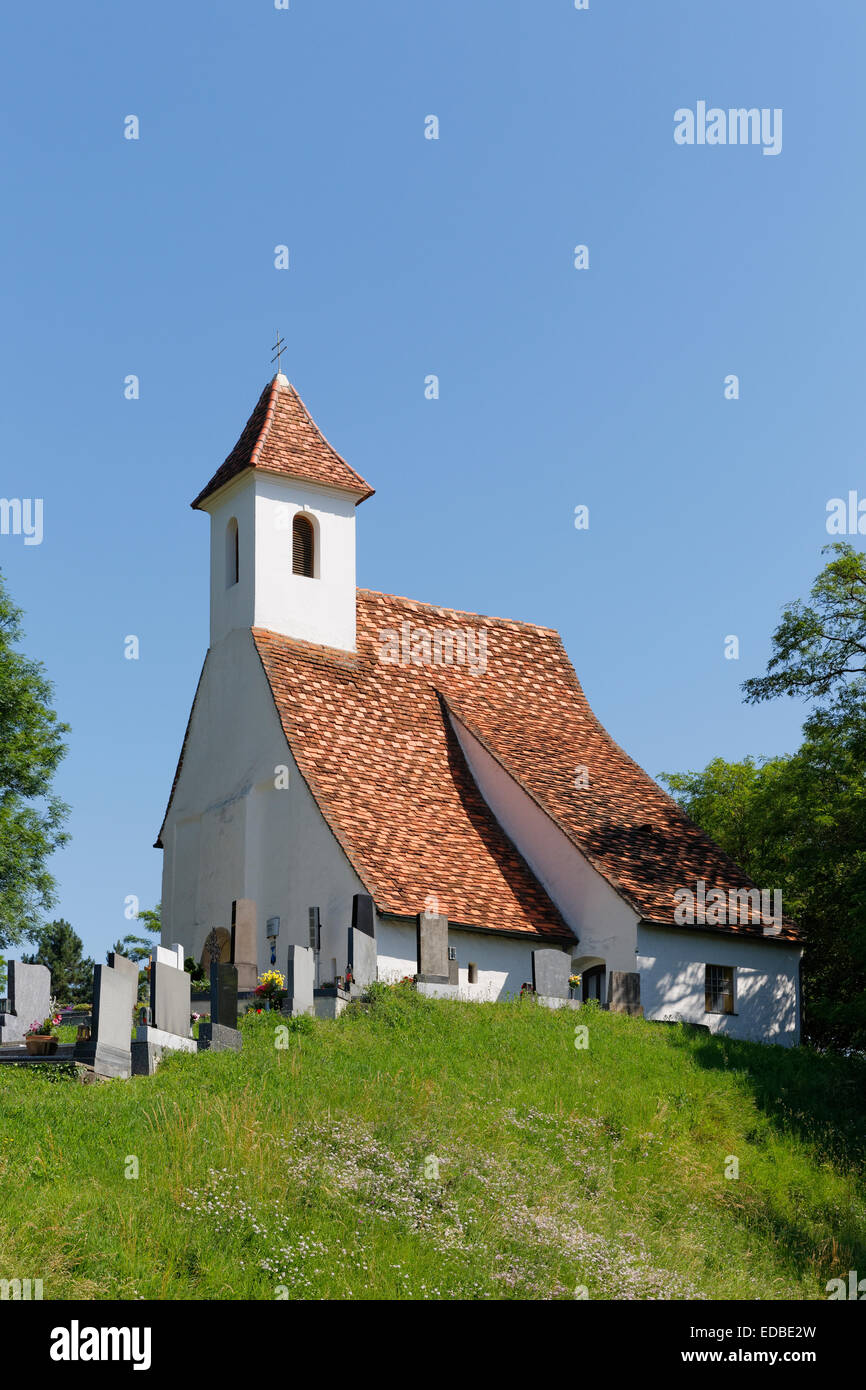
121	1038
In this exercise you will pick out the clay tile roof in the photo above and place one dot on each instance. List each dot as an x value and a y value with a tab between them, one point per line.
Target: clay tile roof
375	742
281	437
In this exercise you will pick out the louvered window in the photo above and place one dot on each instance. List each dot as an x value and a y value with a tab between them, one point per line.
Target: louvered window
302	546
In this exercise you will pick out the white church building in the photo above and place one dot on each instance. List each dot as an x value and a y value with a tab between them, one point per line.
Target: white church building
343	741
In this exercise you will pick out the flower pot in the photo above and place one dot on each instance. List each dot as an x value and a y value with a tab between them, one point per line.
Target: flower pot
41	1045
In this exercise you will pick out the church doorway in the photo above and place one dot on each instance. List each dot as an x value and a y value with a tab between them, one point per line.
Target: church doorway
592	984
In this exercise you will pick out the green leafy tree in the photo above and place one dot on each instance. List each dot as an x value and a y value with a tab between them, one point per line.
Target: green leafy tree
799	822
819	644
133	947
31	817
61	949
151	919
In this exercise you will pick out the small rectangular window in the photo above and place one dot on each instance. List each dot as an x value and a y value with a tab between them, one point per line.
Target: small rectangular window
720	989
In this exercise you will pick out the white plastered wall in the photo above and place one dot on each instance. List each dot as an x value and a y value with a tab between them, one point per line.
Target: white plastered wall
504	962
231	833
766	982
319	609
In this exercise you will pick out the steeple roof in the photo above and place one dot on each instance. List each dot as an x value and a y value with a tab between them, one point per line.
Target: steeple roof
281	437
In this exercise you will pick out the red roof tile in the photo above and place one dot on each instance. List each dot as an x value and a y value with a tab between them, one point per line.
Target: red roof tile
281	437
374	743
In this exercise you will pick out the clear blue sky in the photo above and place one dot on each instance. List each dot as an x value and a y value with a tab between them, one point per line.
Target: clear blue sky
410	256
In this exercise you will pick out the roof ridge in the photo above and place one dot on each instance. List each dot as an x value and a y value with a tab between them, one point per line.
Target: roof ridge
266	423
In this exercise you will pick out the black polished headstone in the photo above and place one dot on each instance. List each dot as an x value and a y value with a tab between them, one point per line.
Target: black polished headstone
224	995
363	916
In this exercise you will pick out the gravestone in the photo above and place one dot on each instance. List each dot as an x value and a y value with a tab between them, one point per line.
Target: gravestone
550	972
108	1050
316	942
623	993
224	996
221	1034
170	991
300	981
169	1026
363	959
170	955
245	954
432	939
363	915
213	1037
29	999
453	972
217	948
130	971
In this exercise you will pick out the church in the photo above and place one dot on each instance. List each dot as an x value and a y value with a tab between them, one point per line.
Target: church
346	742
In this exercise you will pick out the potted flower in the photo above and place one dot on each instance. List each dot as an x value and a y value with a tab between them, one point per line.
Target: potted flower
270	991
40	1039
574	986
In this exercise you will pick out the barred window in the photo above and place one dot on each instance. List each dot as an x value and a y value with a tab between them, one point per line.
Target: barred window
720	989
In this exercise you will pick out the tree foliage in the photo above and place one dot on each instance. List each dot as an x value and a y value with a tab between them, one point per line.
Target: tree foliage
151	919
817	645
799	822
31	818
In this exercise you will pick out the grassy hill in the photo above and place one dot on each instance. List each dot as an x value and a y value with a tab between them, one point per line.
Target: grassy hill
309	1170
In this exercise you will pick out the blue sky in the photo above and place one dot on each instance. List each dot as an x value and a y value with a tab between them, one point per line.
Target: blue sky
408	257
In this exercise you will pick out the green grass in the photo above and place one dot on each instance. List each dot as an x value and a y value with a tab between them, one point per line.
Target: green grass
308	1170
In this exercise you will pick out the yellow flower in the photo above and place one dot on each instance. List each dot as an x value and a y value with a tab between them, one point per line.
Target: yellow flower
272	977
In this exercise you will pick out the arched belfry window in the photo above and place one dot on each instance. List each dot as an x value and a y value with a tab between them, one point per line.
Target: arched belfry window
303	546
232	553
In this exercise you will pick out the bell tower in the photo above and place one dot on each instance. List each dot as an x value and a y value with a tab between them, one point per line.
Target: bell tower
282	513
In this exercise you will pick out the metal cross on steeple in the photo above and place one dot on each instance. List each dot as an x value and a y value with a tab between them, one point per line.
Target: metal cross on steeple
278	349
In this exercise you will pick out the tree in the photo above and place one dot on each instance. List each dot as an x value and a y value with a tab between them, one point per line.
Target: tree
31	818
60	948
133	947
799	823
818	644
151	919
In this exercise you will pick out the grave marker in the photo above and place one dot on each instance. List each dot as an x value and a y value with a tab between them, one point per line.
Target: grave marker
623	992
108	1050
245	953
170	991
29	999
550	972
432	942
300	981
